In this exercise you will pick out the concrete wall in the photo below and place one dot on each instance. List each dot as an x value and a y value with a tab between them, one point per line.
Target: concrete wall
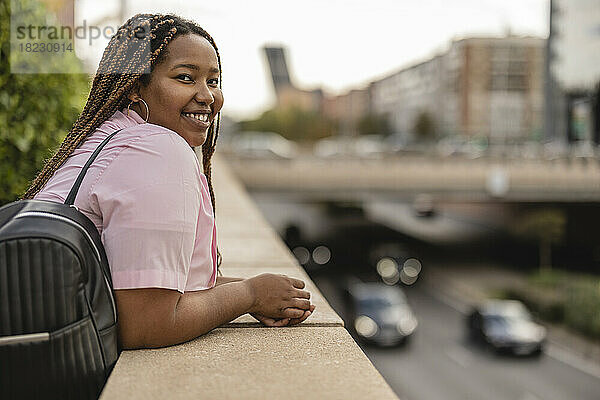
315	360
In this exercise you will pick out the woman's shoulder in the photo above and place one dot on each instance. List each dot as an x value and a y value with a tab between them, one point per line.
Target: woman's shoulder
135	133
150	141
149	153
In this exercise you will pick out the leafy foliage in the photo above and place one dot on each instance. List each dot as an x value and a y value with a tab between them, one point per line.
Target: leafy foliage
563	297
374	124
36	110
425	126
293	123
546	226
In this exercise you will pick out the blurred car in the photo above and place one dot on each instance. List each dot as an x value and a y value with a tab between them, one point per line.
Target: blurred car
423	205
380	313
506	326
396	142
364	146
456	147
333	147
370	146
263	145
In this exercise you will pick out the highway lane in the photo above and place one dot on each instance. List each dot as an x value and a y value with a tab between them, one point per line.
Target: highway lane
440	363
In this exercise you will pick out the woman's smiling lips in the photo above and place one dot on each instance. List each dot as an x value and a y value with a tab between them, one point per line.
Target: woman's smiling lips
200	120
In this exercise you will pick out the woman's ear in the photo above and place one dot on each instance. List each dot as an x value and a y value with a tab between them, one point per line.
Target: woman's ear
134	93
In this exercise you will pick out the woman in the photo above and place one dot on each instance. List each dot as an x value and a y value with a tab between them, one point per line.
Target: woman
159	83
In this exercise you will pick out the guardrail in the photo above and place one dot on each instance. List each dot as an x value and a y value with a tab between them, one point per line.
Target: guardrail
315	360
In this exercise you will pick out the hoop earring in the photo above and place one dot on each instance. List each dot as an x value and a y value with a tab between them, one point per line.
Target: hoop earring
145	104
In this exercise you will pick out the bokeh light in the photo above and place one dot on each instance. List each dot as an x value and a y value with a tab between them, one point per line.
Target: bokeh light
321	255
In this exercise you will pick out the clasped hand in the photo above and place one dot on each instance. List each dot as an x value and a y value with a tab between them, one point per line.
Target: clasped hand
279	300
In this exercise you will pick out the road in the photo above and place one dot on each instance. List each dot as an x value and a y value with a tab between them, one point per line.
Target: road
440	363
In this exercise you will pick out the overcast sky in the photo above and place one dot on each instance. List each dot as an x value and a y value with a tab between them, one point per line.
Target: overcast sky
333	44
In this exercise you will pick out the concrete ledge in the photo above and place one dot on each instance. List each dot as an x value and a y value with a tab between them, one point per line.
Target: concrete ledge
242	359
251	363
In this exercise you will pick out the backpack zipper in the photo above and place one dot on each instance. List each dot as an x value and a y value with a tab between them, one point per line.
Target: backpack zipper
28	338
87	235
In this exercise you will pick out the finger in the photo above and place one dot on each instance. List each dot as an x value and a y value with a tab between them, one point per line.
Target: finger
291	312
303	294
263	320
302	304
281	322
296	321
268	321
312	308
297	283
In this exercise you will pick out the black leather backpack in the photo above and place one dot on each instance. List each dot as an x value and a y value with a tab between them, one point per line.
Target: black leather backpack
58	318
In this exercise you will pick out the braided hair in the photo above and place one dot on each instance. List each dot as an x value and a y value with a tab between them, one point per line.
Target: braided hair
137	47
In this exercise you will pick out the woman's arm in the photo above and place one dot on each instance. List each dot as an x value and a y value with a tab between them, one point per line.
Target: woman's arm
163	317
227	279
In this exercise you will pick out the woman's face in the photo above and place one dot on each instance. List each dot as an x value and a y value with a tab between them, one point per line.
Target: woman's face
183	94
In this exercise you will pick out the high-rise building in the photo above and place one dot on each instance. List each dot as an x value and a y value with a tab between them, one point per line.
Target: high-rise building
287	94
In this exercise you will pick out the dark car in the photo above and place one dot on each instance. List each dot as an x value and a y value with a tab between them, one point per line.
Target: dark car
380	313
506	326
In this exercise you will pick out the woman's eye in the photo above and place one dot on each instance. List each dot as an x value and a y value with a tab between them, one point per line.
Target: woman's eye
214	82
185	78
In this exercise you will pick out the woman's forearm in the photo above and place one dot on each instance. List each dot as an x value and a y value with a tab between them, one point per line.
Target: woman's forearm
162	317
217	306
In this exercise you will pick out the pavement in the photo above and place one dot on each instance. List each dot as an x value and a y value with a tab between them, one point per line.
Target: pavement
462	286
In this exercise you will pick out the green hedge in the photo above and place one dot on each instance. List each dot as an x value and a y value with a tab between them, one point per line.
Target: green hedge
563	297
36	110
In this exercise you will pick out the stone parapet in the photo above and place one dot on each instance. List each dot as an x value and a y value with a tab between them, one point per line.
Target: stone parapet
242	359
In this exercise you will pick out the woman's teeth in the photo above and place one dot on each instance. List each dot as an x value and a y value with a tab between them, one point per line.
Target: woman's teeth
199	117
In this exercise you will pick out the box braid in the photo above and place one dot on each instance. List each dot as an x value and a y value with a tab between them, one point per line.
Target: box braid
137	47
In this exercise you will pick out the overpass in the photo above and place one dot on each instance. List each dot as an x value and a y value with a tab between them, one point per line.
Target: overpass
402	178
472	198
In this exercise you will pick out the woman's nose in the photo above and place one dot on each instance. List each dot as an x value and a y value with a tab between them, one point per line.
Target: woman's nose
204	95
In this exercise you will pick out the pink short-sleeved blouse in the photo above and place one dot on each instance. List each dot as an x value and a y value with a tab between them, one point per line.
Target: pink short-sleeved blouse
149	200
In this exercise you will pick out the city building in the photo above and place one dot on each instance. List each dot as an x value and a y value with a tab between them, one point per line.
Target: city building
348	109
63	10
481	87
405	95
572	92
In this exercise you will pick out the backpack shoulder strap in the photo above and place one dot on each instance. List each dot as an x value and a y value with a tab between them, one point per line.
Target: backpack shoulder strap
73	193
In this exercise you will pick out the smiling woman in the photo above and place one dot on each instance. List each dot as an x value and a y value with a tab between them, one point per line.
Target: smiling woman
151	199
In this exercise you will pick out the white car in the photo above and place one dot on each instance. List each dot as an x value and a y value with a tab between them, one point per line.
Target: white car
263	145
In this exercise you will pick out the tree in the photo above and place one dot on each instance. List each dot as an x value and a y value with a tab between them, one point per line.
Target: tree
425	126
374	124
36	110
547	227
292	123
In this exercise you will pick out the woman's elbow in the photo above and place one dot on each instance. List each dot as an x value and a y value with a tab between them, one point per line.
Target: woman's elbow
145	322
